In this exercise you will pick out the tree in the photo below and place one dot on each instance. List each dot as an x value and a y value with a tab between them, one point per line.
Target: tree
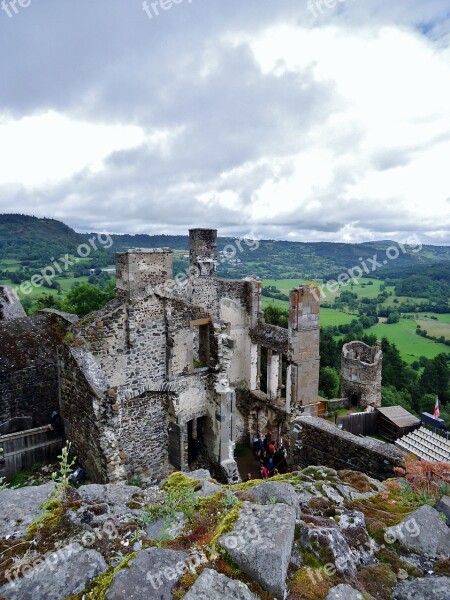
436	377
48	301
275	315
83	299
329	382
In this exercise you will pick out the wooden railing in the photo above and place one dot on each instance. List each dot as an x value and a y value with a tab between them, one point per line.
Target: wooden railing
20	451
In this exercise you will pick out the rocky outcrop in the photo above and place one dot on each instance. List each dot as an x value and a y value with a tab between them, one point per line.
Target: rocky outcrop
60	575
271	492
261	544
443	506
20	507
422	532
150	576
431	588
214	586
344	592
277	538
166	528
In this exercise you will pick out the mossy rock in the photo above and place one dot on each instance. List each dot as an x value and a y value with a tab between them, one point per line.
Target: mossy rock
179	481
378	581
357	480
391	558
98	587
442	567
309	584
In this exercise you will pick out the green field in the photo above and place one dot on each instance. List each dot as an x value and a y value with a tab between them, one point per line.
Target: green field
403	335
66	284
434	328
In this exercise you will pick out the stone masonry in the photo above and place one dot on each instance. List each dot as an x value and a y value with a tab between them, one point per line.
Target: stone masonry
361	374
170	371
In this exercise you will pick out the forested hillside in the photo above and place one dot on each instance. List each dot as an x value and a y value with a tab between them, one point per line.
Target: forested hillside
33	242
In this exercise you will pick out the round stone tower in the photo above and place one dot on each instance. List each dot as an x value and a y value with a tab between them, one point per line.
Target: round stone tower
361	374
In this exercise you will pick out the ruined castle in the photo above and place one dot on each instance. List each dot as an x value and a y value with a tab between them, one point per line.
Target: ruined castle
168	372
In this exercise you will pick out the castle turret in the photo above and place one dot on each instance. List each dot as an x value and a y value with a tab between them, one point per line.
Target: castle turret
203	251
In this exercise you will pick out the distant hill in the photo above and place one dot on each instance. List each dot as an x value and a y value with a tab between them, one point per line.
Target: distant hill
34	241
30	238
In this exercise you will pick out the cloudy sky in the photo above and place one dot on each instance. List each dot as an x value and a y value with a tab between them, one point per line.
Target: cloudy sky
280	118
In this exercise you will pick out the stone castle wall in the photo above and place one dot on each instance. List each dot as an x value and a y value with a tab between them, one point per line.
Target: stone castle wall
314	441
29	368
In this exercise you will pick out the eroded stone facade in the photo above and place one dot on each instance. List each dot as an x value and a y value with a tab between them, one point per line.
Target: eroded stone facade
171	371
361	374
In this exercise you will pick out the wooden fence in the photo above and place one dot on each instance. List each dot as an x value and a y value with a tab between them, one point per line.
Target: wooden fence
23	449
365	423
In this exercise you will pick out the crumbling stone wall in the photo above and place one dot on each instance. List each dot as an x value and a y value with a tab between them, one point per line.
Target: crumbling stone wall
314	441
361	374
84	411
144	434
10	306
29	368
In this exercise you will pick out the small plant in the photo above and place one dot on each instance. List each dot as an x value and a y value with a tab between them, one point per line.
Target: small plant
230	500
272	500
177	500
135	481
136	535
3	485
62	476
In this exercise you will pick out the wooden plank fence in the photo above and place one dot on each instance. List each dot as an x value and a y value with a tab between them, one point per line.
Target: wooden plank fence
23	449
365	423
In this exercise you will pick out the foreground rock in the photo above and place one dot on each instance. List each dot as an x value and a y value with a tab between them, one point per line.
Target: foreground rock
64	573
199	474
276	491
208	489
150	576
214	586
116	502
423	532
261	544
344	592
20	507
431	588
166	529
328	544
443	506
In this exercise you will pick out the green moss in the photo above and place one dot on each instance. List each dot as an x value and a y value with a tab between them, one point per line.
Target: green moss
48	521
179	481
309	584
98	587
311	560
390	558
227	523
286	478
378	581
382	511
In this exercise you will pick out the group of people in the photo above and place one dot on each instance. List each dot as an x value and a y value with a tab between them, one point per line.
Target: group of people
271	456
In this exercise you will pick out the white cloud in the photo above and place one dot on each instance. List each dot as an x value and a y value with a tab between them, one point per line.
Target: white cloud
47	148
243	116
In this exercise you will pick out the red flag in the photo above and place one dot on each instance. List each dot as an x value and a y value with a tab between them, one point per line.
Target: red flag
436	412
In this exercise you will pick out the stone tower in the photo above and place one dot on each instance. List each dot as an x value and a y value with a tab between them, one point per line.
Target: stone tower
361	374
304	338
143	271
203	251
